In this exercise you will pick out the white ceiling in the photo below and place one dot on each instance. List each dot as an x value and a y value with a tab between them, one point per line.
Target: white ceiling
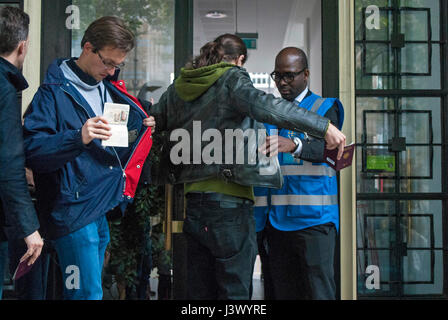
208	29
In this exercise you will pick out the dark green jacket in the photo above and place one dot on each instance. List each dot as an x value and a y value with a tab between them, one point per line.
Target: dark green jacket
222	97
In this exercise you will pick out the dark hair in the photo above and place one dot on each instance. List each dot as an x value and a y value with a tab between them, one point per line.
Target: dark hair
109	31
227	47
14	28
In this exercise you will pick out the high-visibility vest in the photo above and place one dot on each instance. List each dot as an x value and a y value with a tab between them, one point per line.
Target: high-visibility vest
309	196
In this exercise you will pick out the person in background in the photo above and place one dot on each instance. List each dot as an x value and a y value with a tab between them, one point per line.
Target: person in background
217	93
302	219
18	219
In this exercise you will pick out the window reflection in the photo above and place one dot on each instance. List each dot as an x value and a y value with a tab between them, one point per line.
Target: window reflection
149	67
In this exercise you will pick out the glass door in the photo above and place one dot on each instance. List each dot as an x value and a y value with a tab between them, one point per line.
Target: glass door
136	254
401	101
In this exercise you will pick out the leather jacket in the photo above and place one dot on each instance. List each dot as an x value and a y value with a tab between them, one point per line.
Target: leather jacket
232	102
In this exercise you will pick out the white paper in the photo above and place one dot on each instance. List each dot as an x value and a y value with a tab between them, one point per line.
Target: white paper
117	115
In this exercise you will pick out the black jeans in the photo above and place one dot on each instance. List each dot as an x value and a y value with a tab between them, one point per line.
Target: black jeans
302	263
221	247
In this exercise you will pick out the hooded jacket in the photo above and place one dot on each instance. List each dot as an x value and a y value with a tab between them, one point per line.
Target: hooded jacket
211	100
17	214
77	184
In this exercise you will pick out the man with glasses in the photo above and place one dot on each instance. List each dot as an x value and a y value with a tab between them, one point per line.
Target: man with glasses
300	221
78	181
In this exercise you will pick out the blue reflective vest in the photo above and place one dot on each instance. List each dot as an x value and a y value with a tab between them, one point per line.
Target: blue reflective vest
309	196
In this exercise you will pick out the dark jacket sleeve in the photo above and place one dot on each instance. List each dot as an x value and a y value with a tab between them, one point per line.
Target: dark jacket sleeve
146	105
266	108
47	149
313	149
19	213
159	112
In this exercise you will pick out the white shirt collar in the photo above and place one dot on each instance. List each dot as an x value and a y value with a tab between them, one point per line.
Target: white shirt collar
302	95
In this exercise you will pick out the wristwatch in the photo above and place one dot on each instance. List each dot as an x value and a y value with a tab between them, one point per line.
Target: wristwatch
298	150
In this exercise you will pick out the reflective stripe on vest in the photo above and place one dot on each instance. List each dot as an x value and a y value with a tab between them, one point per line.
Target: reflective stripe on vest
308	169
261	201
317	104
304	200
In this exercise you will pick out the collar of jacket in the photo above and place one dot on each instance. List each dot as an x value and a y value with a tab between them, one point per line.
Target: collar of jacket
55	77
84	77
309	93
193	83
13	75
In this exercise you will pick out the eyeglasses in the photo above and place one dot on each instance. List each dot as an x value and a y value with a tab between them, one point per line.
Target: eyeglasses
287	76
109	65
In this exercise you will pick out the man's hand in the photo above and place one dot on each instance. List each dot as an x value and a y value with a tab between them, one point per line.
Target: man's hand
276	144
151	123
335	139
95	128
34	244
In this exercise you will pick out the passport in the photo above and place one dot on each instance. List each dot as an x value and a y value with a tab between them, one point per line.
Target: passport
330	157
22	269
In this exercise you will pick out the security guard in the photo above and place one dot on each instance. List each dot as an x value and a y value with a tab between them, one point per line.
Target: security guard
301	220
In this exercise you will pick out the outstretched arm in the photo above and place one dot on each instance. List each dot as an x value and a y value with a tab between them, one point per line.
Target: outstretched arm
266	108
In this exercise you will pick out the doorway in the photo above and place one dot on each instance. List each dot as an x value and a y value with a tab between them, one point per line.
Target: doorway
267	27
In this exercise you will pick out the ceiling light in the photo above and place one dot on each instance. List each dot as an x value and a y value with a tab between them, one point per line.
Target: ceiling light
216	15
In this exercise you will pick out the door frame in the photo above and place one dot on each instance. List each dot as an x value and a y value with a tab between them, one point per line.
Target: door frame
330	87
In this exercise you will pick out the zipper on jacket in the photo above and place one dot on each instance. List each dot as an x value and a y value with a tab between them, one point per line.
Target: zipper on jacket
122	169
144	132
136	144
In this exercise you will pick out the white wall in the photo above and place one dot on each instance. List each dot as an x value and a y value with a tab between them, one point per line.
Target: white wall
31	68
279	23
271	22
315	46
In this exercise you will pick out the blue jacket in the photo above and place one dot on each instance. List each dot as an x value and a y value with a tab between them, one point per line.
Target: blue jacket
76	184
17	214
309	196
